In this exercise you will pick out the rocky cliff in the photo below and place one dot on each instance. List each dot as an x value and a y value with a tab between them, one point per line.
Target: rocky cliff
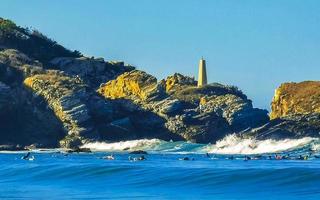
295	112
223	110
296	98
51	96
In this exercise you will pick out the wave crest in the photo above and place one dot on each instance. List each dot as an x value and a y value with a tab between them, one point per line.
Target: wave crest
143	144
233	144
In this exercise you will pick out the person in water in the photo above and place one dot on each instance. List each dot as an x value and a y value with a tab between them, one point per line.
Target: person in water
186	158
246	158
230	158
109	157
141	158
278	157
26	157
303	157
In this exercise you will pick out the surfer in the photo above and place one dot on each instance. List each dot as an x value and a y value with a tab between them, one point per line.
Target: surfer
246	158
278	157
27	157
109	157
303	157
207	155
286	157
184	158
230	158
140	158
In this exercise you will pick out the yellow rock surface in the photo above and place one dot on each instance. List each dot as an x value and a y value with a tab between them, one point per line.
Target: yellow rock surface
296	98
130	84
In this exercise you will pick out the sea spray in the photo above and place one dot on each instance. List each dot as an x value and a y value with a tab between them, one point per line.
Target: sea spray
231	144
124	145
234	144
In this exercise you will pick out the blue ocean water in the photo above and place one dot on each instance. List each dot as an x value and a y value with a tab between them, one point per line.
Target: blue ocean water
55	175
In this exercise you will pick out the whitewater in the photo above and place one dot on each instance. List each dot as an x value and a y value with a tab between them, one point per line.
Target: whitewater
231	144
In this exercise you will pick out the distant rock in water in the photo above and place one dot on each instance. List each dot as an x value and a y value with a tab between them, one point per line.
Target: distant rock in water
296	98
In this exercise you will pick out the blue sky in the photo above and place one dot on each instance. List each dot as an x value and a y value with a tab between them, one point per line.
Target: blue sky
255	45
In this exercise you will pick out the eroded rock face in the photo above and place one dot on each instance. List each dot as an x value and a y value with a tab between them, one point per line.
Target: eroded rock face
295	112
177	82
51	96
296	98
135	85
93	71
4	95
24	120
177	101
67	97
289	127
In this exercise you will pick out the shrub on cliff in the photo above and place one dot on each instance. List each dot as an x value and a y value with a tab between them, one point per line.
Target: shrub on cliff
193	94
31	42
6	25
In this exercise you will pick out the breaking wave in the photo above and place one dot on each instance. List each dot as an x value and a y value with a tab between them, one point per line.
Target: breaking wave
124	145
231	144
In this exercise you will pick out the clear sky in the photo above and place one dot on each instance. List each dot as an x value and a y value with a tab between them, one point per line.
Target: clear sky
255	45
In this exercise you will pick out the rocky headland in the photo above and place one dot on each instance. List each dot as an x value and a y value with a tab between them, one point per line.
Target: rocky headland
295	112
53	97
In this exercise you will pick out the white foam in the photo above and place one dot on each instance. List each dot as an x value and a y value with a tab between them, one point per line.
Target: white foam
143	144
233	144
315	147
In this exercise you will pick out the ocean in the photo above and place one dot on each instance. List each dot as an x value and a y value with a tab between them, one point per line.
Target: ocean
225	174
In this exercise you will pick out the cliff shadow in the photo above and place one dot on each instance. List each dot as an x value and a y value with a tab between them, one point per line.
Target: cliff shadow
130	121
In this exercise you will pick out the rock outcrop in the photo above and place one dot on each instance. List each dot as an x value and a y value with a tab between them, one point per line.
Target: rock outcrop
53	97
135	85
289	127
295	112
177	100
296	98
4	95
93	71
67	98
24	121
